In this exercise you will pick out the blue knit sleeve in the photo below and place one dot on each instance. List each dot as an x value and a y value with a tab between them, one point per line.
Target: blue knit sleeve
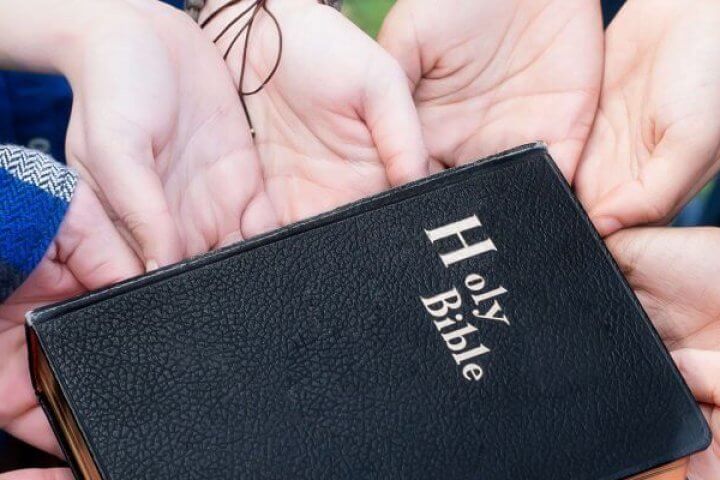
35	193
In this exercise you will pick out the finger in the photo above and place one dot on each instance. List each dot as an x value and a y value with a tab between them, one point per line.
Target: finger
38	474
20	415
674	174
135	193
50	282
701	370
631	249
399	38
16	393
684	312
34	429
259	217
19	412
654	253
706	465
248	204
392	118
90	245
227	204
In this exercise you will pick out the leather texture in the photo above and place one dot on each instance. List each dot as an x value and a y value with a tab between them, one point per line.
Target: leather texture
307	353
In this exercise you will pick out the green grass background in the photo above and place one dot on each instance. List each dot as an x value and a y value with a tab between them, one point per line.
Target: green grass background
368	14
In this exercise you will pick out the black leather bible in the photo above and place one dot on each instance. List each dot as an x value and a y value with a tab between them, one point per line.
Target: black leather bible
471	325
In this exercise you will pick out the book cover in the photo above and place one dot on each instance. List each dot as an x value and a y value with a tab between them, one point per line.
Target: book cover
471	325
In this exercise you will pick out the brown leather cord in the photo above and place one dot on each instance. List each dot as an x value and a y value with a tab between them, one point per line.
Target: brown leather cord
253	10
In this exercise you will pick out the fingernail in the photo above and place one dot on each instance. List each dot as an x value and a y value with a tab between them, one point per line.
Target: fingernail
675	354
151	266
607	225
231	239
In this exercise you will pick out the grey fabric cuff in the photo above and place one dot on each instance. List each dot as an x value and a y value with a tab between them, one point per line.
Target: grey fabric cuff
38	169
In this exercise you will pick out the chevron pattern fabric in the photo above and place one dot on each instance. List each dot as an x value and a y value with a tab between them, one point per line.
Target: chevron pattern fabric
35	192
38	169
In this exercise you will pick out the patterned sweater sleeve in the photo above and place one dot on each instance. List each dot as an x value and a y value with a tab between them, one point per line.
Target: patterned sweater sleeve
35	193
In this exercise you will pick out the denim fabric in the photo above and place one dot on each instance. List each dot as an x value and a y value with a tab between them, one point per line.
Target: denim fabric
610	9
34	111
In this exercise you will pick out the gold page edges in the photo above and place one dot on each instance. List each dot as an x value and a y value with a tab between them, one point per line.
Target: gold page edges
672	471
47	387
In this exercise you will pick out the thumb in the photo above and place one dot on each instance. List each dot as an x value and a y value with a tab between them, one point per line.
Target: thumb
701	370
91	247
649	253
630	248
399	38
135	193
389	112
38	474
668	180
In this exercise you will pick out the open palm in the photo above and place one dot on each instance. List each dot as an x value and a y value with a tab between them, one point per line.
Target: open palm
656	140
674	273
489	75
336	122
159	132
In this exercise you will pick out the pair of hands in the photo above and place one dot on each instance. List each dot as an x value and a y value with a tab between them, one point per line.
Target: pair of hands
491	75
158	130
172	160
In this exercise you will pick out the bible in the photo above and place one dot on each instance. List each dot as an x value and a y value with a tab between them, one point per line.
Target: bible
469	325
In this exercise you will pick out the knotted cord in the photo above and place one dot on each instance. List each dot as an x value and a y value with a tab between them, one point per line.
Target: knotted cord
253	10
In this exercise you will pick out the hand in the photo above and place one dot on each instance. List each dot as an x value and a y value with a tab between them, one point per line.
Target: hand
39	474
674	273
656	139
489	75
158	130
701	369
336	122
88	253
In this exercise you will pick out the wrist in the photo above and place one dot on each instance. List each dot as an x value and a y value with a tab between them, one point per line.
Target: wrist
222	21
96	25
44	35
213	4
209	7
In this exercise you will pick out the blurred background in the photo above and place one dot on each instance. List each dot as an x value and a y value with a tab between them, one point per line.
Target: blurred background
34	112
